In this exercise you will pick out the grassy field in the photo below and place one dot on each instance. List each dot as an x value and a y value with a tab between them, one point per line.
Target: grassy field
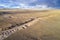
48	28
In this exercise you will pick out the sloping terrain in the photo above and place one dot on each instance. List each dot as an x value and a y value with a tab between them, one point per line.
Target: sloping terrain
48	28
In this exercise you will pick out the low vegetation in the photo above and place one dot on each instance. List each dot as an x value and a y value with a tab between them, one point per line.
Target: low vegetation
48	28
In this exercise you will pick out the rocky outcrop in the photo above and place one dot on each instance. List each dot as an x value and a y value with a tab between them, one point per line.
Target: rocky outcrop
7	33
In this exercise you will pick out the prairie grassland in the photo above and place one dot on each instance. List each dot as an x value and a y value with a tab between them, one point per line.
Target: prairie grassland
48	28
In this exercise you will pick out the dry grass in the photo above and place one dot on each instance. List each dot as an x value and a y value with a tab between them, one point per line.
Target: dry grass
48	28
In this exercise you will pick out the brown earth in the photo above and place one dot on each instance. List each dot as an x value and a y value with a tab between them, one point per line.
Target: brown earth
48	28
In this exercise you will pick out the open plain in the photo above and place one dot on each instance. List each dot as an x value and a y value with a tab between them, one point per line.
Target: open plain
48	28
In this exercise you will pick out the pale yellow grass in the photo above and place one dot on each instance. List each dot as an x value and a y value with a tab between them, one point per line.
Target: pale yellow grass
48	28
